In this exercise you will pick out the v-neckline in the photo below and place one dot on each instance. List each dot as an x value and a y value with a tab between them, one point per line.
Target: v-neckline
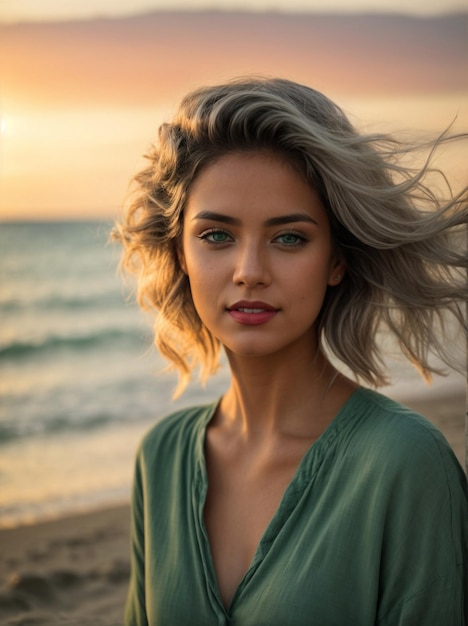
289	500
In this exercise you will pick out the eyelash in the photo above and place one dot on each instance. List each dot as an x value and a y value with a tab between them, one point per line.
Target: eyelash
205	236
301	239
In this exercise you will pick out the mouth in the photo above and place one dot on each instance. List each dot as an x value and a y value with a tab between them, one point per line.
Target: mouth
252	307
252	313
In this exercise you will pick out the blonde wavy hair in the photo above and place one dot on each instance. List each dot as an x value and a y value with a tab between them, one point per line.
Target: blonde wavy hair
404	247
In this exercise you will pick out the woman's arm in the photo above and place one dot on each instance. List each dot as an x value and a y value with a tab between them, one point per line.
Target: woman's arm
425	565
135	610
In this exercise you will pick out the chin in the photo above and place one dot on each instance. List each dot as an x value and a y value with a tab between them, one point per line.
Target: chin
250	351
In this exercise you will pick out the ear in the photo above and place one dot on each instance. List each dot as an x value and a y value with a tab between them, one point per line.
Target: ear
337	271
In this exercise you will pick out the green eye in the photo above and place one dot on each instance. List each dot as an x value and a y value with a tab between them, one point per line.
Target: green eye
215	236
291	239
218	236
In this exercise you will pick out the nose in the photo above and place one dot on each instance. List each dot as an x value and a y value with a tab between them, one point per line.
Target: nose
252	266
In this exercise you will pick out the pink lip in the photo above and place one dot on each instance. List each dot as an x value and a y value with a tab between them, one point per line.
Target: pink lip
252	313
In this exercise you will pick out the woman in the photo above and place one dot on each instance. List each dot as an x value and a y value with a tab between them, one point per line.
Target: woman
266	225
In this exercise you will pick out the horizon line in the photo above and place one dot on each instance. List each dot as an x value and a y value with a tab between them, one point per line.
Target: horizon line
345	13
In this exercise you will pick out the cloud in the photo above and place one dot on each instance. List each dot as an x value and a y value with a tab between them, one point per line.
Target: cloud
151	58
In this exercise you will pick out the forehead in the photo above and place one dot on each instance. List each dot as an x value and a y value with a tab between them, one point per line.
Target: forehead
261	157
254	181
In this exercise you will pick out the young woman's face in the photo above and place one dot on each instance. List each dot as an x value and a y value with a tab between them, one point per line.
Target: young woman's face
257	250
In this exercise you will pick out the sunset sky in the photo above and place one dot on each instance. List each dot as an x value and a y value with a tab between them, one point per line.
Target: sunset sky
81	100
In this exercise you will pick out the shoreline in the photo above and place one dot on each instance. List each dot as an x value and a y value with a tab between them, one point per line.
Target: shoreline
74	570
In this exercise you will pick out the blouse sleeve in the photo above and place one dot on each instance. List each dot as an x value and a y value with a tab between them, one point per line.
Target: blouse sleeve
425	562
135	609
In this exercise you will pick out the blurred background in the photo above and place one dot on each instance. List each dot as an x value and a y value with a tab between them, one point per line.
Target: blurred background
83	88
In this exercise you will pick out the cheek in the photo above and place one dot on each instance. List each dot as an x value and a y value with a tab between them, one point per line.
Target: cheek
201	280
203	265
309	272
309	284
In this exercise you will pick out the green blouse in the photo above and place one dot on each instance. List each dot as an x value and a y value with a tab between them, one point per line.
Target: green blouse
372	529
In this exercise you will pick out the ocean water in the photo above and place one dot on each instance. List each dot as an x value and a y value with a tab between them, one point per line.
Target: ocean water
79	381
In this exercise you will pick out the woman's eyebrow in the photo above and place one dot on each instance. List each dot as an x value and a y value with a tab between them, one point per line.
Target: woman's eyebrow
272	221
217	217
290	218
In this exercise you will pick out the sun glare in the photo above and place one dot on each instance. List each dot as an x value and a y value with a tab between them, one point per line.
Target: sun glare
75	162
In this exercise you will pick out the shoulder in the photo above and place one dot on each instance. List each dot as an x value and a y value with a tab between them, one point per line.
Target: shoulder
381	417
399	472
400	441
175	433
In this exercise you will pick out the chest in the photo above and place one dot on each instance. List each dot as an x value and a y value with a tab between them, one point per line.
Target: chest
242	500
239	558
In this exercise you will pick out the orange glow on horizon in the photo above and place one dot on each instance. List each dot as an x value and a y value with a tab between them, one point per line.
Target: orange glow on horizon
81	102
78	164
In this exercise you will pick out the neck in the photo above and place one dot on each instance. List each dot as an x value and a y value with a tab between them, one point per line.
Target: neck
279	395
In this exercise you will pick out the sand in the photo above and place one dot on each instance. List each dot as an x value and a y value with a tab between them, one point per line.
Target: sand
74	571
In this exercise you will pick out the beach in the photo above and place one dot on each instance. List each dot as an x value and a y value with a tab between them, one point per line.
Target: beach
68	571
74	570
